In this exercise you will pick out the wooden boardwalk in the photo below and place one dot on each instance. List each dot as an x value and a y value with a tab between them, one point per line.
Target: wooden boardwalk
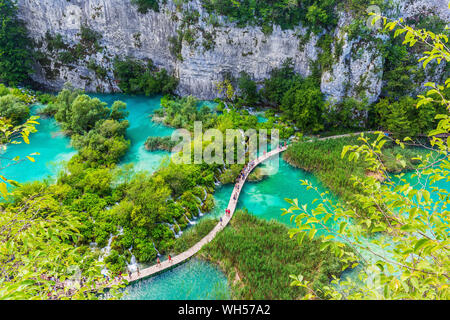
219	227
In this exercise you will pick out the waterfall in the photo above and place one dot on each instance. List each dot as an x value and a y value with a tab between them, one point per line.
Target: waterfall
243	140
179	229
190	222
133	265
200	213
206	194
157	252
198	199
177	235
171	228
106	250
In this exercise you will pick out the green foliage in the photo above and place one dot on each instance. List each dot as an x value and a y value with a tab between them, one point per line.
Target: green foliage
12	108
349	114
66	53
15	54
39	253
304	104
402	245
104	145
160	143
323	157
403	118
248	90
100	71
260	255
190	237
265	13
40	250
82	114
137	78
279	83
145	5
183	112
11	134
176	45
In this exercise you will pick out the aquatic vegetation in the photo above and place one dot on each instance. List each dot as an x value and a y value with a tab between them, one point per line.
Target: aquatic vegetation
323	157
159	143
258	256
190	237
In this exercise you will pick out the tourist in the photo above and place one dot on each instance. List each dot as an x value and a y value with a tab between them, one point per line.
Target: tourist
221	221
170	259
158	263
139	274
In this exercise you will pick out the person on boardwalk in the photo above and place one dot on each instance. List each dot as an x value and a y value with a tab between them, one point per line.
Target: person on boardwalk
158	262
139	274
220	221
170	259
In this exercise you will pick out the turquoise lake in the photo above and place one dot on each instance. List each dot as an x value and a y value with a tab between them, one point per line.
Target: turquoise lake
141	127
52	146
194	279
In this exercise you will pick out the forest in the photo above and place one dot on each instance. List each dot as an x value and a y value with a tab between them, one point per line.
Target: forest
52	231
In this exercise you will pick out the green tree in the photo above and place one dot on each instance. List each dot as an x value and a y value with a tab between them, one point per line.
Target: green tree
39	253
15	53
12	108
304	103
402	118
402	247
248	91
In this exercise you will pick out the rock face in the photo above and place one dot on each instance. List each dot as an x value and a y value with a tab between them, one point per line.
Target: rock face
125	32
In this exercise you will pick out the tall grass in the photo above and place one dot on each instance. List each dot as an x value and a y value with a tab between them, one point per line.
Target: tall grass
190	237
258	257
323	158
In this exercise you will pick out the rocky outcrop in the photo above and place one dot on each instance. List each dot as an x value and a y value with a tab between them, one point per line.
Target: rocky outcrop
357	71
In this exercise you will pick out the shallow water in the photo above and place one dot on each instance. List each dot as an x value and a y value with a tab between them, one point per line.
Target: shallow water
193	280
52	146
266	198
140	109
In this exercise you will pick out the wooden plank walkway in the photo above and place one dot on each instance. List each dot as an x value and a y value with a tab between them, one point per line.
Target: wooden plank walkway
219	227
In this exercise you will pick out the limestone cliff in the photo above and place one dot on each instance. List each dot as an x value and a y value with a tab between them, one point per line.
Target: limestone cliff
125	32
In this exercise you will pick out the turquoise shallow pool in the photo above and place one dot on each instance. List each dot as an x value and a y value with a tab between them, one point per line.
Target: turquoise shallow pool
140	109
52	146
266	198
193	280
